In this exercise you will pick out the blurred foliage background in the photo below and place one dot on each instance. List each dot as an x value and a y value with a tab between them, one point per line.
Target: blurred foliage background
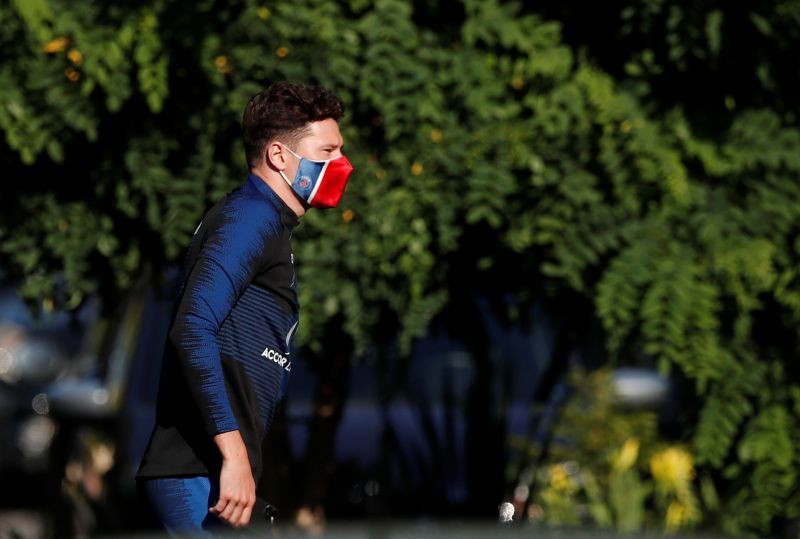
632	165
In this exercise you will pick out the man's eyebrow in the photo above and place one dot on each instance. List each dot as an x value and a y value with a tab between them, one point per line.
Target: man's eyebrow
338	144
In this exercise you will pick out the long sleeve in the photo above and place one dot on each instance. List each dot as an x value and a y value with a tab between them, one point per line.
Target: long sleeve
230	255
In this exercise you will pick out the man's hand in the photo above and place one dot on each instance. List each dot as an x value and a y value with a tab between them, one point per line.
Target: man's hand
237	489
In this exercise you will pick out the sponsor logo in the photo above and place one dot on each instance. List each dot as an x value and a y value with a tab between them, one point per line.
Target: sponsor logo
272	355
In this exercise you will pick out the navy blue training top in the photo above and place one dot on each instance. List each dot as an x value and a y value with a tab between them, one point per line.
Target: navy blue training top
227	358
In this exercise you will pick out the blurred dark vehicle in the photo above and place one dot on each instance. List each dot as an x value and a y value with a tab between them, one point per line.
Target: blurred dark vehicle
77	395
36	348
105	413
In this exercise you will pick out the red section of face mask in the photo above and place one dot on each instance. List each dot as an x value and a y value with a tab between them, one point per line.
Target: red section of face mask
332	183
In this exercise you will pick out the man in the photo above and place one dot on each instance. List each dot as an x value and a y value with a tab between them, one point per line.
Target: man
228	358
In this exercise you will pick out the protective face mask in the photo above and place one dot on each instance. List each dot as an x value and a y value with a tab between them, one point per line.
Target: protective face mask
320	183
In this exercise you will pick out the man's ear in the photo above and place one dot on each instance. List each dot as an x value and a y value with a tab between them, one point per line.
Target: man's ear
275	156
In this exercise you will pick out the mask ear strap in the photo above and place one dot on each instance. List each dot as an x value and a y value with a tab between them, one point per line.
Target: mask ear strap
284	177
291	151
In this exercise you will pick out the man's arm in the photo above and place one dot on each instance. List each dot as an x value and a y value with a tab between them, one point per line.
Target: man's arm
208	297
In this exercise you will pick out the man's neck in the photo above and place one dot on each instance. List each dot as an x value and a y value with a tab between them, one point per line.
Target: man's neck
281	188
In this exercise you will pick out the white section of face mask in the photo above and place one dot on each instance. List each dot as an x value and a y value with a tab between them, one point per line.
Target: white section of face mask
319	181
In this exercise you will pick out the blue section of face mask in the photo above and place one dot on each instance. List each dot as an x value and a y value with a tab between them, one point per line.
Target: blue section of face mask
308	173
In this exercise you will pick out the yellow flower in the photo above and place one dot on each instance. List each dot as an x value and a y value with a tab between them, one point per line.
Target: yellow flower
223	66
347	216
72	74
58	44
627	455
417	168
673	469
680	514
560	479
558	476
436	135
263	13
75	57
517	83
282	52
676	515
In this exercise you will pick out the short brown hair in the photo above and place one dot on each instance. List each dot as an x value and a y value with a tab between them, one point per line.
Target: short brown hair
282	112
